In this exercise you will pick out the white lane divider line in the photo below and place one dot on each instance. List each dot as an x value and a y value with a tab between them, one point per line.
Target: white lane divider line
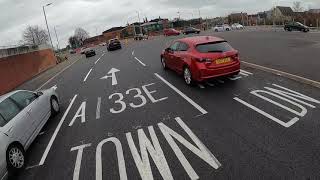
132	53
85	79
194	104
45	154
245	72
139	61
97	60
98	108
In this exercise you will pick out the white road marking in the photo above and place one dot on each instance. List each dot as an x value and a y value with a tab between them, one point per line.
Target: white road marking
288	124
201	86
194	104
148	93
97	61
139	61
112	76
81	112
121	162
245	72
56	75
85	79
285	74
235	78
98	108
209	84
45	154
132	53
259	92
155	151
30	167
77	166
200	149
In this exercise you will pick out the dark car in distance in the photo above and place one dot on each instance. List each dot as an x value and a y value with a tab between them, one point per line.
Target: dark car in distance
191	30
113	44
89	52
296	26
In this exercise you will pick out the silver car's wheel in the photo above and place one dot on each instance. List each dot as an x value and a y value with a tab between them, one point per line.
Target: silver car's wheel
55	108
187	76
164	65
15	158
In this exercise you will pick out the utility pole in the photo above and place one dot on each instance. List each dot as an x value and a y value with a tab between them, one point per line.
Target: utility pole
55	31
45	17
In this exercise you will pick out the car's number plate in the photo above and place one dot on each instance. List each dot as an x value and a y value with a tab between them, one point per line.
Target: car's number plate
223	60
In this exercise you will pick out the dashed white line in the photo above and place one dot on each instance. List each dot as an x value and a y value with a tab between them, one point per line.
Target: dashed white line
139	61
132	53
45	154
246	72
194	104
85	79
97	61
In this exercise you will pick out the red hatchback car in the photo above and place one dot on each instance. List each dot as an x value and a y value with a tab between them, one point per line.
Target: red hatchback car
171	32
201	58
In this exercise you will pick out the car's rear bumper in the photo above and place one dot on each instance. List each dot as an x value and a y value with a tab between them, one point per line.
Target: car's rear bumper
205	74
116	46
90	54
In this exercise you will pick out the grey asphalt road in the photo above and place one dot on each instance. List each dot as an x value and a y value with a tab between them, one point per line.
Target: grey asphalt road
292	52
149	125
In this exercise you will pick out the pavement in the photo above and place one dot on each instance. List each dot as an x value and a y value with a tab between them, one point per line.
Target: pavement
124	117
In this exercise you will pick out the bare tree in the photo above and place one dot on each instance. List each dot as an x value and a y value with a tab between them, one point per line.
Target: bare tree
297	7
81	34
74	42
34	35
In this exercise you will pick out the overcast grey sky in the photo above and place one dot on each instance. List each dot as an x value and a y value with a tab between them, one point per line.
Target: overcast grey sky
95	16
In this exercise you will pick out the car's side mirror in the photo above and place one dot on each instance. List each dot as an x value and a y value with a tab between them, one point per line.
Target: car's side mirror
39	94
169	50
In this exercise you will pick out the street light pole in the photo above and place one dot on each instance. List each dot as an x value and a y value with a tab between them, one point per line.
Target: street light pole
45	17
139	22
55	31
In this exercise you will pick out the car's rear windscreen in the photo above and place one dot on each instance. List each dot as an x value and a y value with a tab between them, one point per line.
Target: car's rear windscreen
212	47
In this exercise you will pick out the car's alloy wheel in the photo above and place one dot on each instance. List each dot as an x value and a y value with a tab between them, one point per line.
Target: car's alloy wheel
187	76
15	158
164	65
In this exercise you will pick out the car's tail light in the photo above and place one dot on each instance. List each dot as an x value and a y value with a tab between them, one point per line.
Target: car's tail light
236	57
203	60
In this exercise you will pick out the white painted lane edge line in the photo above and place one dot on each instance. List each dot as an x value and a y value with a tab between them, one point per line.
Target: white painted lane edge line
140	61
56	75
45	154
194	104
246	72
85	79
284	74
97	60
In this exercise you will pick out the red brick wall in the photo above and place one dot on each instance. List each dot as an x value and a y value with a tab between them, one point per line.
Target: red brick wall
15	70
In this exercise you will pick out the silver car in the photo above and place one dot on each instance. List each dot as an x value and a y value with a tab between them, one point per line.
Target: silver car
22	116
